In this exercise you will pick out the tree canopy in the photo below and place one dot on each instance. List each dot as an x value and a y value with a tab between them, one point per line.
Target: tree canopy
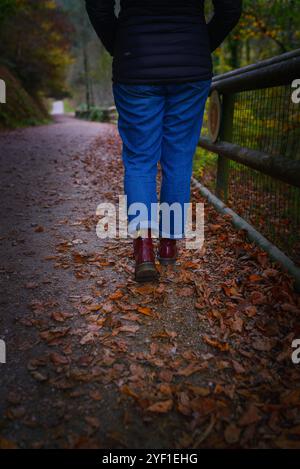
35	43
51	47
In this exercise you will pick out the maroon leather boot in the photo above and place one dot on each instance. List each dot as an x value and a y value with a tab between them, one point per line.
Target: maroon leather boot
145	270
168	252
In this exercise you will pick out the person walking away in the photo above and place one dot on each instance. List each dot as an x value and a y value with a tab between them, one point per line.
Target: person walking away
161	73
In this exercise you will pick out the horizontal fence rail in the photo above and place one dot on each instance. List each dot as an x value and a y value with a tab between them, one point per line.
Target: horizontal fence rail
279	167
252	162
277	71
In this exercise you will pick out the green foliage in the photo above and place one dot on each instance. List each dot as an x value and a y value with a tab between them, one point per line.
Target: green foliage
34	43
94	114
276	21
266	28
204	167
7	9
20	109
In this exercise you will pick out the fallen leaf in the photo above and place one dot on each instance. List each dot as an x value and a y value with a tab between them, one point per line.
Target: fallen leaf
290	308
257	298
116	295
132	329
204	405
95	395
255	278
129	392
59	316
199	390
186	292
93	421
7	444
39	376
161	407
53	334
88	338
237	324
263	344
232	434
291	397
16	413
94	307
79	258
250	416
214	228
289	438
192	368
238	367
230	291
222	346
146	311
251	311
58	359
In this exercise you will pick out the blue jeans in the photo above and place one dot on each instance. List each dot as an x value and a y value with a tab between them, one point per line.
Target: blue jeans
159	123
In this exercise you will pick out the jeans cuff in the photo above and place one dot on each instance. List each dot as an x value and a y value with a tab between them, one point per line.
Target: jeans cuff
142	229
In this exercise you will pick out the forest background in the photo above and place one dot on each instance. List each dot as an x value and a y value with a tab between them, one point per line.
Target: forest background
48	50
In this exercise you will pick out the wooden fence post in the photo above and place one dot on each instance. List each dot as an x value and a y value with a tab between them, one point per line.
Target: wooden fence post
226	136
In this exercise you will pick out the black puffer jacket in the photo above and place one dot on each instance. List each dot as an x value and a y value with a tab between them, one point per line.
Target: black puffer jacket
162	41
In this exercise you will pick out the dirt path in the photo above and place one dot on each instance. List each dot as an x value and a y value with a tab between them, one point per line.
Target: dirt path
200	359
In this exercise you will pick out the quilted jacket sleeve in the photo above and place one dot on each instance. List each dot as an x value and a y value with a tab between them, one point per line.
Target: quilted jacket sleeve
103	18
226	15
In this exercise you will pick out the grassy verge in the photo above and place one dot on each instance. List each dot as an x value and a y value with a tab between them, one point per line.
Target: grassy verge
205	167
20	109
97	114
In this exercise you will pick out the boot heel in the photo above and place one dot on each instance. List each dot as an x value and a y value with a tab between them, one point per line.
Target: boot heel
163	261
146	272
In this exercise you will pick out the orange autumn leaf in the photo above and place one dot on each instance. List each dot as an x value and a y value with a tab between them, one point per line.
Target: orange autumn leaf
116	295
190	265
258	298
222	346
250	416
79	258
59	316
145	310
129	392
161	407
95	395
230	291
255	278
7	444
145	289
191	369
93	307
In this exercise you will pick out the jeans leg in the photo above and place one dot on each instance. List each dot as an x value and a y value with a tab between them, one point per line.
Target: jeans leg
182	124
141	110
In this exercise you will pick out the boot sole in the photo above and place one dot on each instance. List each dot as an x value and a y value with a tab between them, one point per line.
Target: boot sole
165	261
146	272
